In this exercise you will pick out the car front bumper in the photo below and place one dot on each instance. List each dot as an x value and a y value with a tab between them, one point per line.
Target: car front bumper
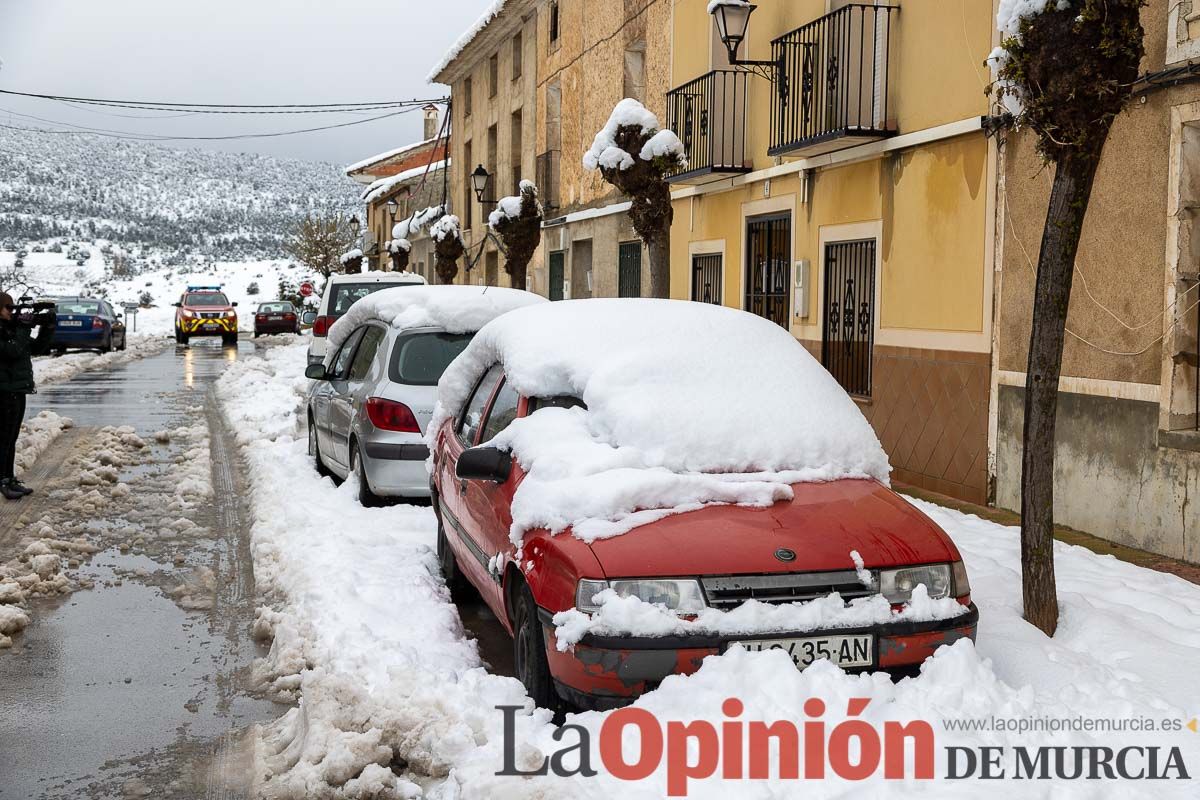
208	327
604	672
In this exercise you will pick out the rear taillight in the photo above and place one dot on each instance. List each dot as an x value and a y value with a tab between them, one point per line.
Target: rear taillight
388	415
290	317
260	317
97	323
322	325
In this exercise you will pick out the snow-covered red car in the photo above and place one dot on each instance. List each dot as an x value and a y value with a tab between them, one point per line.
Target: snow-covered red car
636	485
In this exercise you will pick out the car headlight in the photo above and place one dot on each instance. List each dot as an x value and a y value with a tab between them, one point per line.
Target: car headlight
683	596
186	314
230	314
897	585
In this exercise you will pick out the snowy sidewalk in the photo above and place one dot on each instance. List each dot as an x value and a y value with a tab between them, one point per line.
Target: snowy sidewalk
394	702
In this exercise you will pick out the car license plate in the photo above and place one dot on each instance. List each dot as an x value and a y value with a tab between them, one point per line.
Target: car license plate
275	317
845	651
210	326
71	323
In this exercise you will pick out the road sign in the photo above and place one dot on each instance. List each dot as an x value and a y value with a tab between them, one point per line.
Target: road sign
306	289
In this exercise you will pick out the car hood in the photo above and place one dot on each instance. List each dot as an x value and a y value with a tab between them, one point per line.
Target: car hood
821	524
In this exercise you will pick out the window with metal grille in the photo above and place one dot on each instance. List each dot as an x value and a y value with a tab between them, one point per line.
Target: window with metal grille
629	270
706	279
768	268
848	340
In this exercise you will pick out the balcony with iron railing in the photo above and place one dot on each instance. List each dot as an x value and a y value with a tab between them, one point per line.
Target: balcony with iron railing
709	116
832	82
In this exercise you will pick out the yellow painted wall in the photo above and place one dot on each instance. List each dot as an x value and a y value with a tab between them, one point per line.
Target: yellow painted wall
932	205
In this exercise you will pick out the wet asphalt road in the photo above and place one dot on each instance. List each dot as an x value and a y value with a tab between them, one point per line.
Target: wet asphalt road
121	690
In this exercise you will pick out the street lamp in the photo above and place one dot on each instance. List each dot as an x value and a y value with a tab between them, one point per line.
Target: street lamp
355	225
391	208
733	20
480	179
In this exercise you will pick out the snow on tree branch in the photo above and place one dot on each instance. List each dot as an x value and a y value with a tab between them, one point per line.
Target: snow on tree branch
607	153
518	221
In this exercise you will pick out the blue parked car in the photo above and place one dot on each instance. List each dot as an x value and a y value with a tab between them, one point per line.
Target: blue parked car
85	323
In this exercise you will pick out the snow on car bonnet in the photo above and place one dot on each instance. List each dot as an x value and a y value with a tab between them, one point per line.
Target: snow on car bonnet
456	309
687	404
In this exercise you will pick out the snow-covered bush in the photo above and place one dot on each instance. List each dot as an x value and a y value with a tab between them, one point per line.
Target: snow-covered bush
252	288
145	299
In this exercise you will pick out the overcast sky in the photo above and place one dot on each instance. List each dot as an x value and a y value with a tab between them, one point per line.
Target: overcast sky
230	51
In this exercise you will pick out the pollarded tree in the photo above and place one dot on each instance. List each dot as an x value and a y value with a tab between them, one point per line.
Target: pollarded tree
635	156
1063	70
400	248
448	247
518	222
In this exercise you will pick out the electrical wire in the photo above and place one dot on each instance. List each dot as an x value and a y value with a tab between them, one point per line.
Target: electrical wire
131	136
173	105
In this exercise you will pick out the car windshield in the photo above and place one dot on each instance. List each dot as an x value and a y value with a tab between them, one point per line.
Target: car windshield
420	359
347	294
79	307
275	308
206	299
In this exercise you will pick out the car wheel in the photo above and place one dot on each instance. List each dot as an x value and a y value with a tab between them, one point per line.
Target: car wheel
366	497
529	653
108	345
183	338
229	340
314	449
456	582
124	341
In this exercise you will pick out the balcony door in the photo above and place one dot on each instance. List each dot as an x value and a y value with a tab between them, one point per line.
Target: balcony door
768	268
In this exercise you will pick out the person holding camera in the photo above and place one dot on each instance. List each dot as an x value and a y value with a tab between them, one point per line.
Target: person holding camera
17	348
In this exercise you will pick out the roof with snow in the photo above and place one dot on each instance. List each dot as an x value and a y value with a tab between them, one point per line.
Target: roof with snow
383	186
399	151
455	309
494	10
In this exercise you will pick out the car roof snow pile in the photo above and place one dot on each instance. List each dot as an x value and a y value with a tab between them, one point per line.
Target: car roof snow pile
687	404
455	309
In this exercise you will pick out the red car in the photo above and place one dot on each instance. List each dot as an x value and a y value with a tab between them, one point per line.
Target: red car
276	317
719	555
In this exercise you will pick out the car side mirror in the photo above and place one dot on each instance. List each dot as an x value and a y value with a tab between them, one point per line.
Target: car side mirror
309	317
316	372
234	304
177	305
484	464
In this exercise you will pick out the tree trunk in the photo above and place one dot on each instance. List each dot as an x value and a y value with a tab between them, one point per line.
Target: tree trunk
659	248
1052	295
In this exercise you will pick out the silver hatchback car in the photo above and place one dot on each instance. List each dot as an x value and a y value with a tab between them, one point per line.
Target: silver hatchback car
368	411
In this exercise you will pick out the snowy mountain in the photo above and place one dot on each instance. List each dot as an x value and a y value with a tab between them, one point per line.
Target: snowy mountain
151	201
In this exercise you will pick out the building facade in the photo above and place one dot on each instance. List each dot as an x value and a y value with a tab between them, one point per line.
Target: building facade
846	191
1128	446
492	74
591	55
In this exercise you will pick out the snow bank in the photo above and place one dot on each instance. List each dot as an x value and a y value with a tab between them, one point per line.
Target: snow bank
37	434
52	369
687	404
455	309
604	151
632	616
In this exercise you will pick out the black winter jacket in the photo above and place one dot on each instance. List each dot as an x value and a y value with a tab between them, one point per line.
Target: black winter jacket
17	348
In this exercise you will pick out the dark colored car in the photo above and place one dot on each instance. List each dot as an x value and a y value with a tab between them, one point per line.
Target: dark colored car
86	323
278	316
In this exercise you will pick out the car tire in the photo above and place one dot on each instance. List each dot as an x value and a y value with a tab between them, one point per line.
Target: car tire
314	449
229	340
124	342
456	582
529	653
108	345
366	498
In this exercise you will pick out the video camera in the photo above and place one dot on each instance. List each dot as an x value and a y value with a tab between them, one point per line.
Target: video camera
35	313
